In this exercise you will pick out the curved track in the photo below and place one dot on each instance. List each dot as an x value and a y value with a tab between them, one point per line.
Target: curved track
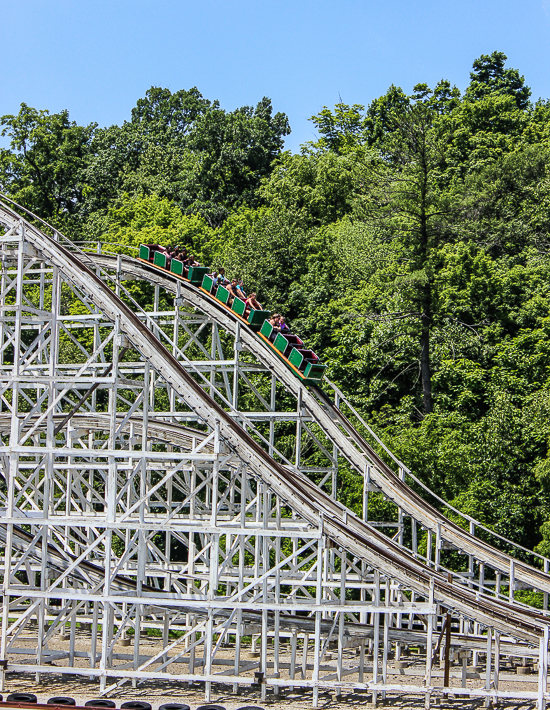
163	431
340	525
60	559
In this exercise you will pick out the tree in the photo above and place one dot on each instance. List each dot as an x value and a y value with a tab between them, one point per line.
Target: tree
490	77
271	256
508	202
164	116
189	150
316	188
381	114
144	155
408	202
44	168
228	156
137	220
341	130
349	127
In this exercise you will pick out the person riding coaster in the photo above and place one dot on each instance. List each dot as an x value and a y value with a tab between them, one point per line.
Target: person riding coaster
274	321
233	291
273	328
252	304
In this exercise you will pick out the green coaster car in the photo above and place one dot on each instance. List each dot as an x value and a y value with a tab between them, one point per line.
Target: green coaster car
258	318
304	363
285	343
267	330
307	362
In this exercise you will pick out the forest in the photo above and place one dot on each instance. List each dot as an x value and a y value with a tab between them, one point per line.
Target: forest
409	245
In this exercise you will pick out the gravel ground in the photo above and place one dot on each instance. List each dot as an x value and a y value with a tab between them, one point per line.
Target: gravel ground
159	692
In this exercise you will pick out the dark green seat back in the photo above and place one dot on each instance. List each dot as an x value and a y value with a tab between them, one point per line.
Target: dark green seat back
207	283
239	306
296	358
160	259
176	267
266	329
222	294
314	371
281	343
258	318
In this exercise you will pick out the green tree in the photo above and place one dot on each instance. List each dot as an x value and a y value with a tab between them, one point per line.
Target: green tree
380	119
189	150
228	156
150	219
271	257
508	200
489	77
145	154
408	202
340	130
316	188
44	168
164	116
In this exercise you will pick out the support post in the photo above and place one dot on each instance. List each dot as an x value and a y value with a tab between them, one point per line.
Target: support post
543	670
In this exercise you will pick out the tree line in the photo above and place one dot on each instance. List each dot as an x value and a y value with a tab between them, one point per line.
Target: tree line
408	244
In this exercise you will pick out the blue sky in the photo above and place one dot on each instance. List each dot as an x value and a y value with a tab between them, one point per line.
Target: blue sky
97	57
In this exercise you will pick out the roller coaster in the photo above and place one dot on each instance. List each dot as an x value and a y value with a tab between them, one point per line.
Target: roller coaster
165	475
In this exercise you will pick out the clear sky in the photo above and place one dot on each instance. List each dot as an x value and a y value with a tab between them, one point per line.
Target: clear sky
97	57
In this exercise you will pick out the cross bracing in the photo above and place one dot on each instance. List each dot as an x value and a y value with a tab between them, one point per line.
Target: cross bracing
163	473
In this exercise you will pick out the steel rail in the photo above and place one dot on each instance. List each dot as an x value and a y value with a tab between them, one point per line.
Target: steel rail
338	428
342	526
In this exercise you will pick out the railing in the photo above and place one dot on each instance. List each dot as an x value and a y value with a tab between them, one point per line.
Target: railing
470	524
98	247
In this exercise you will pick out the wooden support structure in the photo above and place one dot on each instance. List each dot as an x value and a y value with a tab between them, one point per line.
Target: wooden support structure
155	489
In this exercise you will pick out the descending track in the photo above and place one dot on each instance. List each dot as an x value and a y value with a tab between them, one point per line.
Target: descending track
338	429
340	525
